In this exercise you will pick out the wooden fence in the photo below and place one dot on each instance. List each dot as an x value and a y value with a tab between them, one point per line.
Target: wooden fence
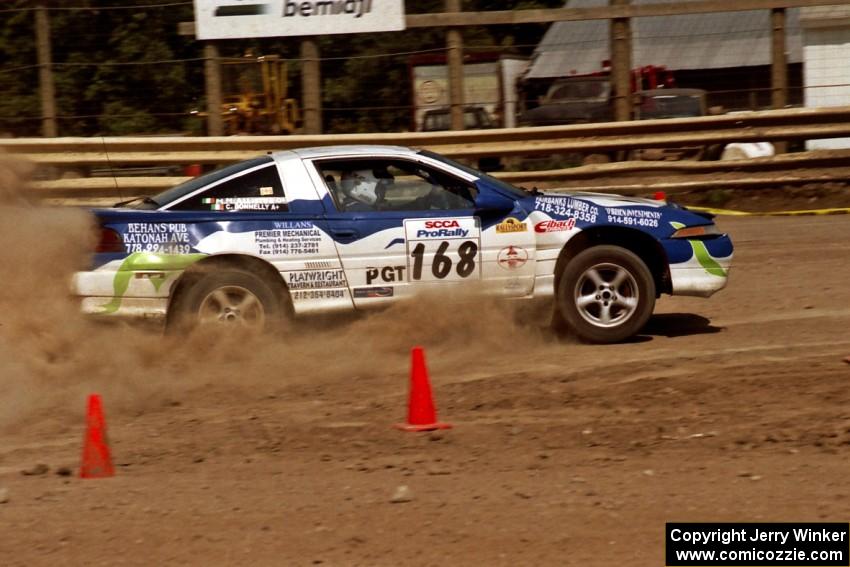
82	155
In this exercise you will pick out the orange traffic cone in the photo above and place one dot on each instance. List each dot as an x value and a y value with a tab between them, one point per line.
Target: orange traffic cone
97	462
421	415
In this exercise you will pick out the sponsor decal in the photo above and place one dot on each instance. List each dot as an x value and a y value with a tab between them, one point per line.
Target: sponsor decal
246	203
567	207
372	292
165	238
554	225
318	294
386	274
317	279
289	237
510	225
423	229
442	229
633	217
512	257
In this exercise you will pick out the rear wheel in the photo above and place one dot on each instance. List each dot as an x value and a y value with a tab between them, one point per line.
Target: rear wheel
606	294
230	299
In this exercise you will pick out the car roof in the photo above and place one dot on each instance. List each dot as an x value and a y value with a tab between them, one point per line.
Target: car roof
348	150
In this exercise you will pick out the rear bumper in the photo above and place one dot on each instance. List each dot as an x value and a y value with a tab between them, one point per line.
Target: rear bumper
148	308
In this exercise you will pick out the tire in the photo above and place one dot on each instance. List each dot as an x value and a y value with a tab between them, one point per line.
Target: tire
606	294
228	299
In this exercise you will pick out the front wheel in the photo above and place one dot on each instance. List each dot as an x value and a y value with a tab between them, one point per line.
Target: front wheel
230	299
606	294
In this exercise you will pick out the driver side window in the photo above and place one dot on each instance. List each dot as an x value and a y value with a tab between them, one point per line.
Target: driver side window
358	185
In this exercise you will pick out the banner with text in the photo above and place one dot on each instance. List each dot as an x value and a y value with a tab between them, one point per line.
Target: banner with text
234	19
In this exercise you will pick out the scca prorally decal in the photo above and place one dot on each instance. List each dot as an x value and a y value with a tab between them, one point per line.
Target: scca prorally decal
442	229
567	207
385	274
317	279
633	217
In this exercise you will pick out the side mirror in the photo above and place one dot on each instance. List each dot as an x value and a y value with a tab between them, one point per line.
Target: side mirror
488	200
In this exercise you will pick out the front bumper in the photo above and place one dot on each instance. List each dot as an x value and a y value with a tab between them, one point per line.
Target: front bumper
699	267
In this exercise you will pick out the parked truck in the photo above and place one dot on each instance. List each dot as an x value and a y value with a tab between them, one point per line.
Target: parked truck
489	91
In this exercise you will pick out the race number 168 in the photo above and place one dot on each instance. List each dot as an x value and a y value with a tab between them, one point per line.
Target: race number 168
444	260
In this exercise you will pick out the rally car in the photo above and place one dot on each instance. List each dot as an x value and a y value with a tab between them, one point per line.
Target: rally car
341	228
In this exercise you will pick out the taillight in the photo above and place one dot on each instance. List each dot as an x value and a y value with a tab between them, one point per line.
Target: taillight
109	241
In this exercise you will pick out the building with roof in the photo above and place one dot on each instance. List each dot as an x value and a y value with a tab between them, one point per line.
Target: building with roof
826	51
727	53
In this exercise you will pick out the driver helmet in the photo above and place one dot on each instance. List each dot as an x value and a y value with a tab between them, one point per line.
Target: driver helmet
361	185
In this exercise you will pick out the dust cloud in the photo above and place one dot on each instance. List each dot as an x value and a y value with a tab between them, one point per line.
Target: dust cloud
51	356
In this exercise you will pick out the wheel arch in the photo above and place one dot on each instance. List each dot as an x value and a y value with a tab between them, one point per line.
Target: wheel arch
643	245
256	266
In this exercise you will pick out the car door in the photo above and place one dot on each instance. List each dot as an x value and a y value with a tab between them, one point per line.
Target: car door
271	211
419	233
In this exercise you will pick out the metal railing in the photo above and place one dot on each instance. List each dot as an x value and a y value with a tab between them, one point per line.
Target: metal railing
84	154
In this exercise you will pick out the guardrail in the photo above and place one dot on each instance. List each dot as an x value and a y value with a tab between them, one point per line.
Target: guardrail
110	152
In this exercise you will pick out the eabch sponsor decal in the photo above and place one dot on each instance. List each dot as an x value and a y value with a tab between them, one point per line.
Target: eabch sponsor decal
554	225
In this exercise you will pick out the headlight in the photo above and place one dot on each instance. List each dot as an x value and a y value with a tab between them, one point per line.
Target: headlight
696	231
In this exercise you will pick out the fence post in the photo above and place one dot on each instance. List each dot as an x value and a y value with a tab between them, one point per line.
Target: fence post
621	64
212	68
45	73
454	43
311	80
779	67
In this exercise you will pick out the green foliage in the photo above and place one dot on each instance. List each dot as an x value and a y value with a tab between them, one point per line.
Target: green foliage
112	74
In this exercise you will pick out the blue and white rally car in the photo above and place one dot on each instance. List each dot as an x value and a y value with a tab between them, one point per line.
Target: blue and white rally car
356	227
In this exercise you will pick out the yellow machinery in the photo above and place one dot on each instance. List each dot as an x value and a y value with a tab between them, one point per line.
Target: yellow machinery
254	99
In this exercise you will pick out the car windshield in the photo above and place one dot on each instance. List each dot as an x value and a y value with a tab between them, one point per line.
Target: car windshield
193	184
510	189
473	119
670	106
578	89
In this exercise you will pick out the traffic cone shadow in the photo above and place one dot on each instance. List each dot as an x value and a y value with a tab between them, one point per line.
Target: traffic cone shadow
421	413
97	460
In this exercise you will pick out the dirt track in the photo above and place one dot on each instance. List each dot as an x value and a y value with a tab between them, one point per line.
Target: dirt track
730	409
